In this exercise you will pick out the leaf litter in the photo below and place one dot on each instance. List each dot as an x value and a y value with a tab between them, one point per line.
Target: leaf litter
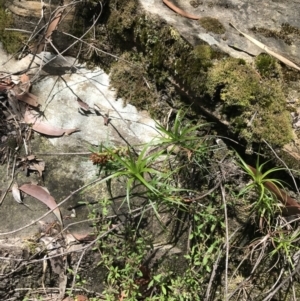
19	115
31	164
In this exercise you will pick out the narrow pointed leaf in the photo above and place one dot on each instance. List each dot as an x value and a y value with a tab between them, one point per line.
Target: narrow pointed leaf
45	128
42	195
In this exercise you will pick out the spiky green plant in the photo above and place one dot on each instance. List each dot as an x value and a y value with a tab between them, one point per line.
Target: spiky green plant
182	135
266	204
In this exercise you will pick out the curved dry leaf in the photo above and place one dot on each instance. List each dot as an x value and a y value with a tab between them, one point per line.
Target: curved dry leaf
16	193
28	98
45	128
30	157
180	11
83	105
40	194
24	78
83	237
52	26
5	86
266	49
38	167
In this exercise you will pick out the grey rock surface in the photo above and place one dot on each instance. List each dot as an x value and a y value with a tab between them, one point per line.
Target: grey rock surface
66	168
277	24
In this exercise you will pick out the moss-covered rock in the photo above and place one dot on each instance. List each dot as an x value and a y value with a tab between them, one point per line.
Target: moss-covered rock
131	81
267	66
11	40
121	20
255	108
233	82
153	55
212	25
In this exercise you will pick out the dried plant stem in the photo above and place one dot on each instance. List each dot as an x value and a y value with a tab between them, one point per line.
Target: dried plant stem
289	278
212	276
12	179
64	154
18	30
227	242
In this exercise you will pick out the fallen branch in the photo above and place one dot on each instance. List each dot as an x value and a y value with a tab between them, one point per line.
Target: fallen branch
180	11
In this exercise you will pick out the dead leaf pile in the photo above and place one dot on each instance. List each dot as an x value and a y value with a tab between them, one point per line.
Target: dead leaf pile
14	97
31	164
19	115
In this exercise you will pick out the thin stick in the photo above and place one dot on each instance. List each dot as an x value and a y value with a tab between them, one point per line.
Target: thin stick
227	242
62	154
25	146
212	276
283	283
16	29
12	179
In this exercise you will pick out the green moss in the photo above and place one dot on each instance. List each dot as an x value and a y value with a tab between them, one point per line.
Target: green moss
155	54
131	82
11	40
255	108
273	126
198	61
212	25
267	66
122	20
234	82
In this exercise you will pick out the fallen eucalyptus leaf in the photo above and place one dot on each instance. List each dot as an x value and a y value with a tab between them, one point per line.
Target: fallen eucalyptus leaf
30	157
45	128
40	194
38	167
17	195
83	105
52	26
26	97
180	11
